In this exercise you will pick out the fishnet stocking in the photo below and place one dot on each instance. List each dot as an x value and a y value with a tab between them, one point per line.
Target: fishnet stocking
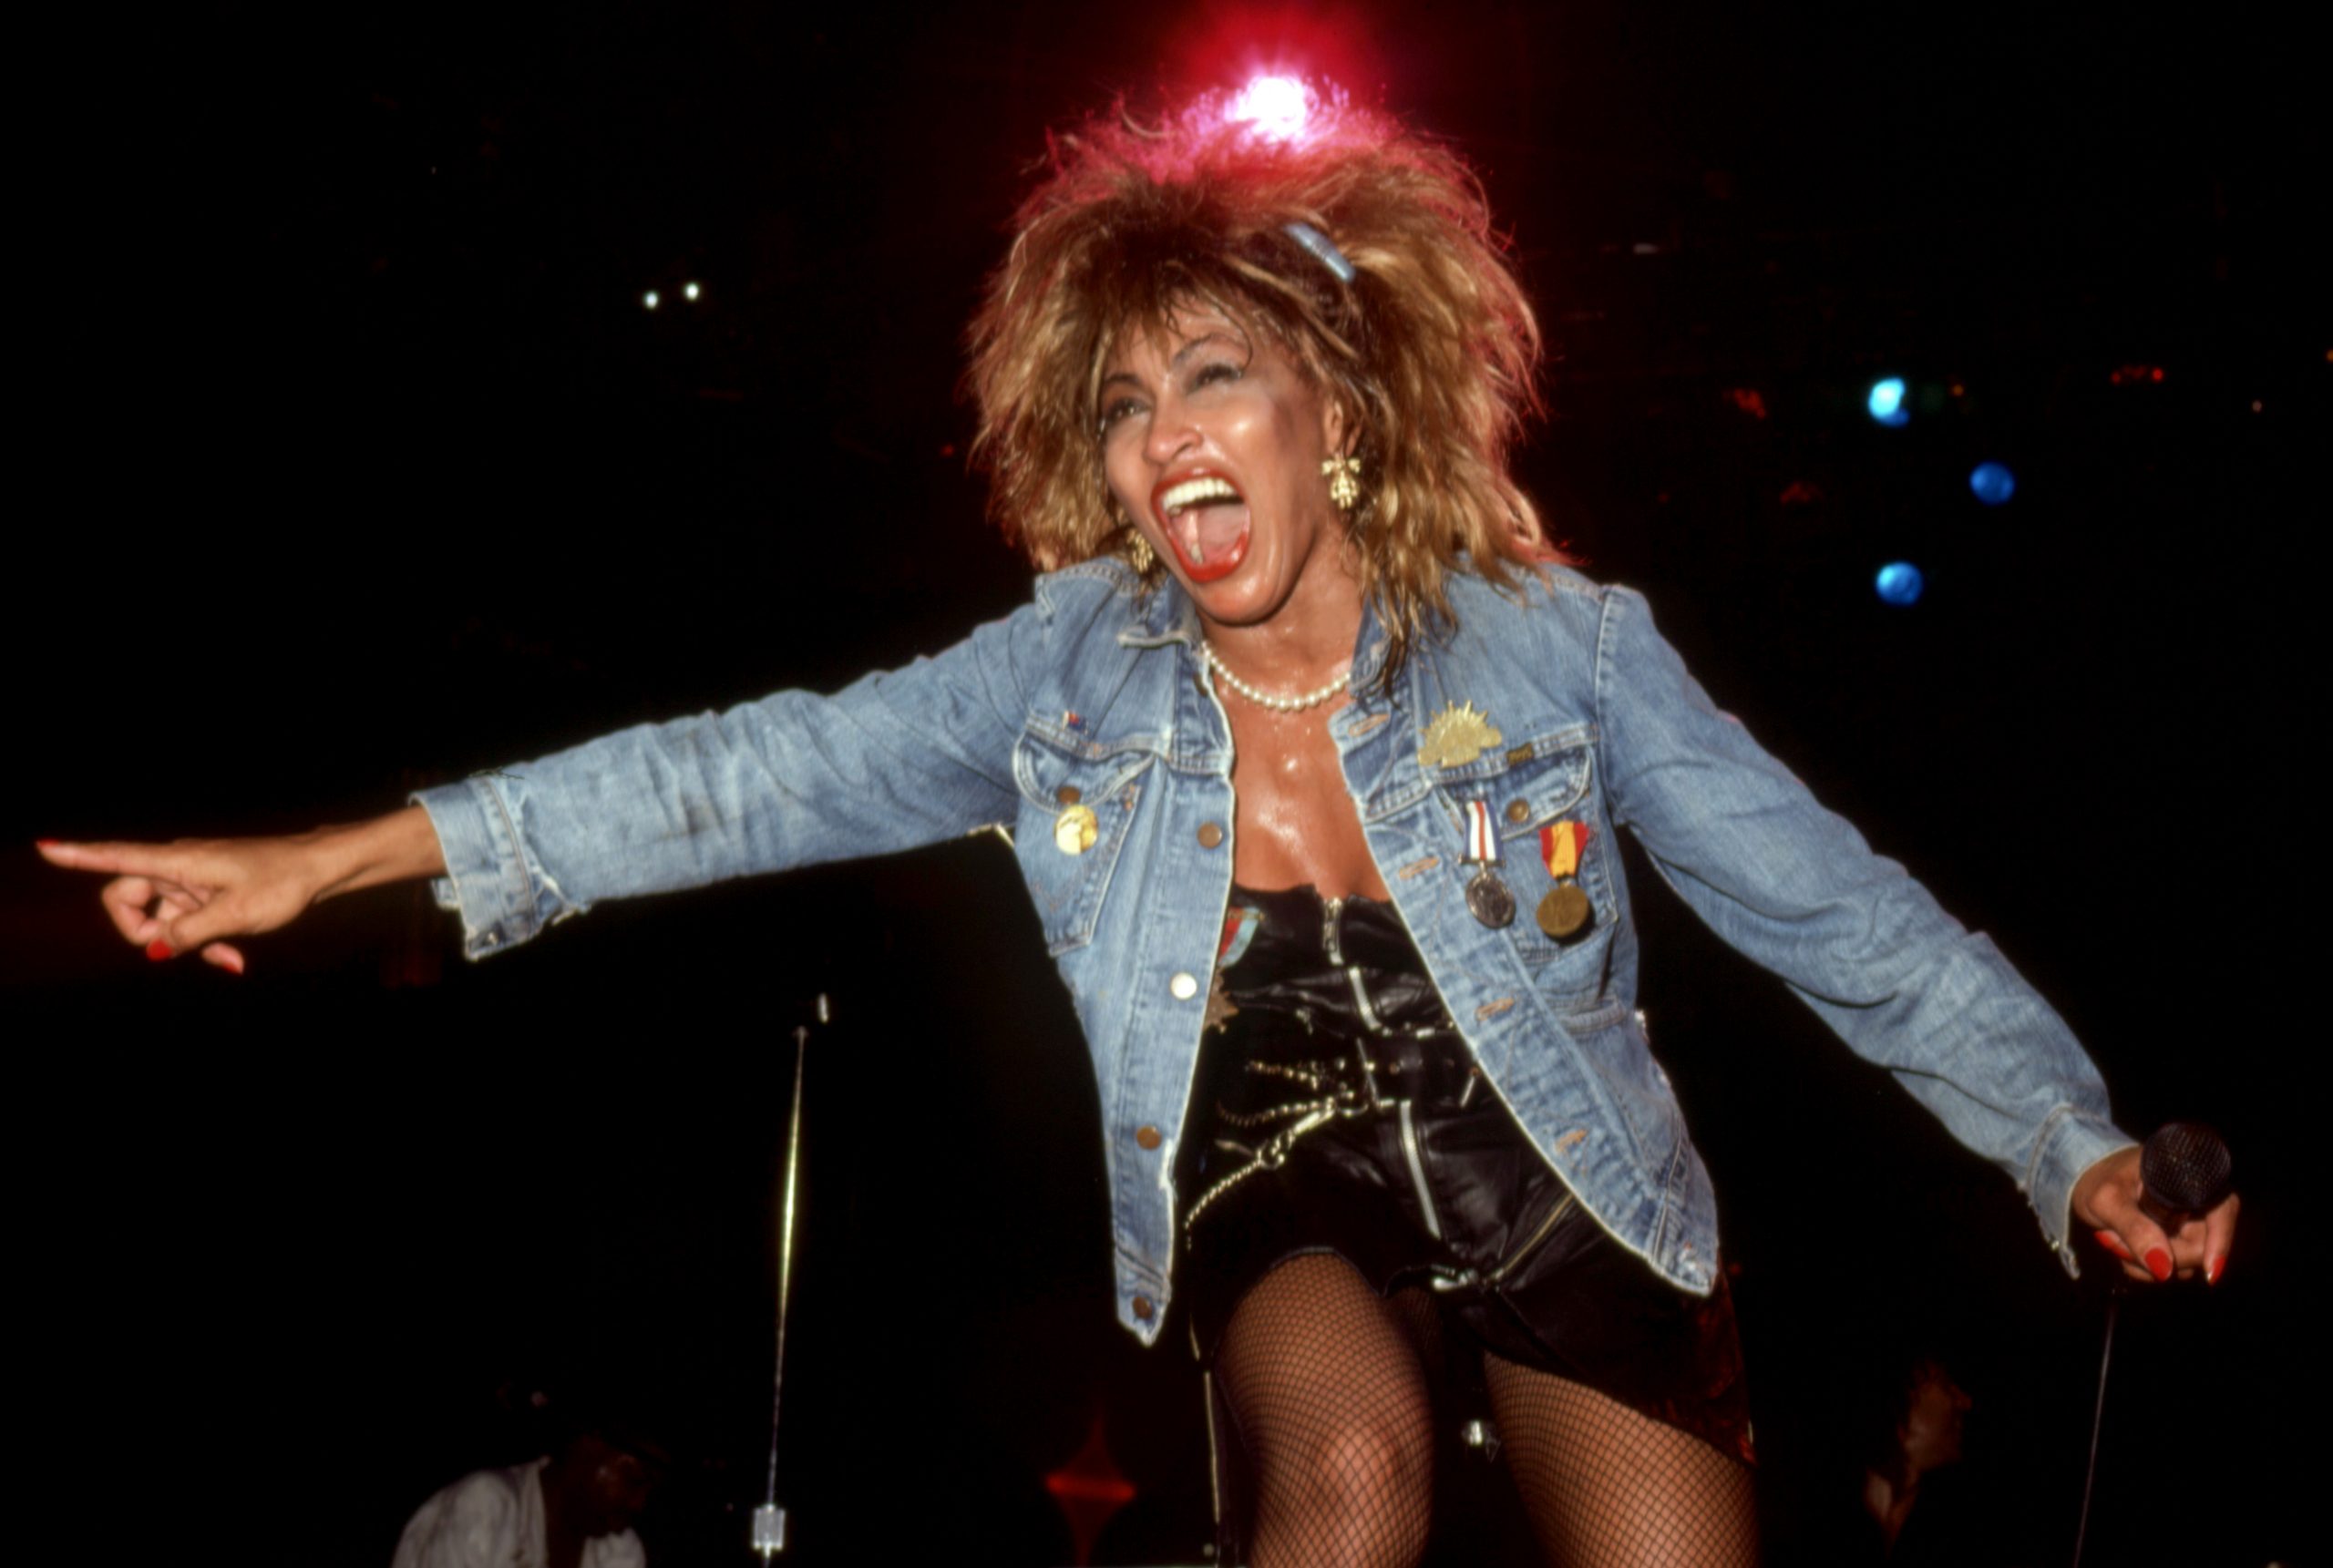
1330	1387
1604	1485
1332	1406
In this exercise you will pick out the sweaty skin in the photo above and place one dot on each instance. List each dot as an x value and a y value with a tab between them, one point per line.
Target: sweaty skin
1296	823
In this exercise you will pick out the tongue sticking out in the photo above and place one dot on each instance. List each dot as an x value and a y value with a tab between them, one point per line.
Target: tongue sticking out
1211	539
1206	520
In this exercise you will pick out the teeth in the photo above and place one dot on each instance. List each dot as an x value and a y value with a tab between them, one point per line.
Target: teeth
1193	492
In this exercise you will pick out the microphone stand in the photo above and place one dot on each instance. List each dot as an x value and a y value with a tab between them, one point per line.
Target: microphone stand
769	1519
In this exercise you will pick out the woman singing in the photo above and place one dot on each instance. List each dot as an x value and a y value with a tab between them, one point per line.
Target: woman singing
1314	757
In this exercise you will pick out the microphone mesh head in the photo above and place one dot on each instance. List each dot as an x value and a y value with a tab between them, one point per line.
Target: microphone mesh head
2186	1168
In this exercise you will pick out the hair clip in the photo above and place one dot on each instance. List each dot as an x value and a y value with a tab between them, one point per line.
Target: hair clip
1322	247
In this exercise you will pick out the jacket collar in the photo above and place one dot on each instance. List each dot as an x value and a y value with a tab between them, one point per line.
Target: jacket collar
1158	615
1164	613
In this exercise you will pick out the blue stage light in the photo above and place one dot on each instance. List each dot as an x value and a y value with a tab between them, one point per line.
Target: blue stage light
1899	582
1886	401
1992	482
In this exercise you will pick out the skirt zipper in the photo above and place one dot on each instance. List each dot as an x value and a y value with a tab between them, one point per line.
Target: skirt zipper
1418	1171
1547	1228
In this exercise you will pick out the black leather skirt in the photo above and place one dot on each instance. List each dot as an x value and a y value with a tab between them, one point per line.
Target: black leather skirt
1340	1111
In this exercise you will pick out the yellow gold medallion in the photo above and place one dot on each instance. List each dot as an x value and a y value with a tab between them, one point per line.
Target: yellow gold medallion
1565	912
1076	830
1457	736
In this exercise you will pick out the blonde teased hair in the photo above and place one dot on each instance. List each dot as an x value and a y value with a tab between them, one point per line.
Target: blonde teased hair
1429	353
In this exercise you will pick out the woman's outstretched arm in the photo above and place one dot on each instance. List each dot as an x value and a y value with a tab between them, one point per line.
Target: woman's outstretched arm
194	894
898	759
1795	889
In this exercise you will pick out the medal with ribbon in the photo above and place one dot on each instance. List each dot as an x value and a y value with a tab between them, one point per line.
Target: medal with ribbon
1487	898
1241	923
1565	912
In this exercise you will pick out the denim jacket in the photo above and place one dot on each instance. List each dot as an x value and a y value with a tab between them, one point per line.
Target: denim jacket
1094	696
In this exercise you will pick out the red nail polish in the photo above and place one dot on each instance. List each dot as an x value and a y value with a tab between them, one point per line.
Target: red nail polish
2113	1244
2158	1263
158	950
47	843
2213	1269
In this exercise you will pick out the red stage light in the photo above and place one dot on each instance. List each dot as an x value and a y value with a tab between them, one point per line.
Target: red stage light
1220	46
1090	1488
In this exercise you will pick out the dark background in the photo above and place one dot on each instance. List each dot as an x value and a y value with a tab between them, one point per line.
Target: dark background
355	463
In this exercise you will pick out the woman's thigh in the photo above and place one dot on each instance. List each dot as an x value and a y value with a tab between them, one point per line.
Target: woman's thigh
1605	1484
1331	1398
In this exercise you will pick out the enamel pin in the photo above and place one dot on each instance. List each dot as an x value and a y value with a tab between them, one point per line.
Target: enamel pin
1457	735
1240	927
1488	899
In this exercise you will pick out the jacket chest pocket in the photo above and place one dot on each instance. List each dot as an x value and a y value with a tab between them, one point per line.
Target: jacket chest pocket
1077	803
1540	800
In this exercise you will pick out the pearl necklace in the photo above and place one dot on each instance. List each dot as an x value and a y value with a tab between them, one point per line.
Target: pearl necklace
1263	699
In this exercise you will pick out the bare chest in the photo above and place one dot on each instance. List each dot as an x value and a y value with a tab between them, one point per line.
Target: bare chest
1296	823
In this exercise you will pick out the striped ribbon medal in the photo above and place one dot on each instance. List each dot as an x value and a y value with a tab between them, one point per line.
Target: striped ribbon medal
1487	898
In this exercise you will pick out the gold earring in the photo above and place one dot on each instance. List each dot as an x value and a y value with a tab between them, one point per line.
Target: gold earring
1139	554
1344	481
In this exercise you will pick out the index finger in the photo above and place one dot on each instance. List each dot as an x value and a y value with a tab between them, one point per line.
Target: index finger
115	858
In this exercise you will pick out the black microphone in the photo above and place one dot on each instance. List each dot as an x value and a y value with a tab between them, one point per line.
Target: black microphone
2184	1170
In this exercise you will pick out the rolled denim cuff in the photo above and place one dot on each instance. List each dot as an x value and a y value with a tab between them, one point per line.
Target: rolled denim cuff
488	877
2071	1141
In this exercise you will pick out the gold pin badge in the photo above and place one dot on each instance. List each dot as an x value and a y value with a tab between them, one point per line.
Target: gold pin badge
1076	829
1458	735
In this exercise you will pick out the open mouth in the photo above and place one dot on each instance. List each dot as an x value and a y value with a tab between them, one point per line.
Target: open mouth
1205	522
1205	519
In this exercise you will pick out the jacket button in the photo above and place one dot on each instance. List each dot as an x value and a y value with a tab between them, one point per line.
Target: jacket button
1143	1310
1210	835
1147	1137
1518	811
1069	795
1184	987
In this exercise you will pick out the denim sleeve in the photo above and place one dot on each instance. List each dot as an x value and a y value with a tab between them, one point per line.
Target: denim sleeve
897	760
1794	888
